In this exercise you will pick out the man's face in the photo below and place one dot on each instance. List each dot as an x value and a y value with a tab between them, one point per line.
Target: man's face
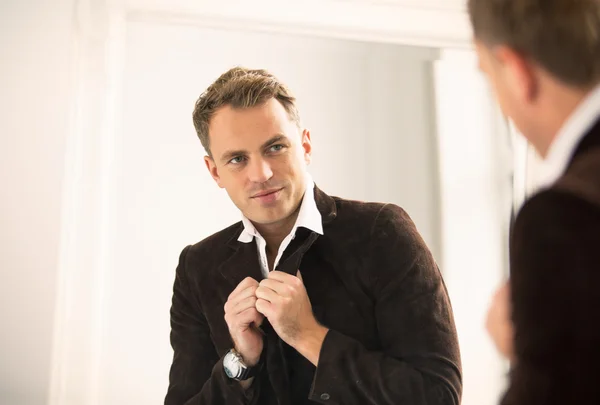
513	82
259	156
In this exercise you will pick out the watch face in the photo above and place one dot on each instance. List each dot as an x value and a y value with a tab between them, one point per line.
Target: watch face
231	365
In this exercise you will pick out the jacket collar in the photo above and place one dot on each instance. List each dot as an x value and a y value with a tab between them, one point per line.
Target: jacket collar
244	262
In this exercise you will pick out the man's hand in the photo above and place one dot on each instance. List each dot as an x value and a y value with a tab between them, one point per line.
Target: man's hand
282	298
243	321
499	324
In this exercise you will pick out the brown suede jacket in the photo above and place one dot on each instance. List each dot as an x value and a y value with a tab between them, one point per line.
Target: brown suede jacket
371	280
555	288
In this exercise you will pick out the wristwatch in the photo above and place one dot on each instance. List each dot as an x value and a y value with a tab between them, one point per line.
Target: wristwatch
235	368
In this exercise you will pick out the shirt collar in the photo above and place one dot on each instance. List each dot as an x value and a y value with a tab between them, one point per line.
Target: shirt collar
308	216
566	141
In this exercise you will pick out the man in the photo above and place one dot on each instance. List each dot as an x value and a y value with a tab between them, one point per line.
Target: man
310	298
542	58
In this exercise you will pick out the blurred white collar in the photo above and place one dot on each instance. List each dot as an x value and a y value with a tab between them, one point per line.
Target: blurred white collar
574	129
308	217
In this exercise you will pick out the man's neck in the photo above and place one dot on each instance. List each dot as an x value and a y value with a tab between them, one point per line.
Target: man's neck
275	233
558	112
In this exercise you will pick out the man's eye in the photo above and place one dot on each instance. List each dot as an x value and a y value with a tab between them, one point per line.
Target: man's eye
276	148
237	160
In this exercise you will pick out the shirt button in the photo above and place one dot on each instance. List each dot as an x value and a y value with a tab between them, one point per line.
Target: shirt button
325	396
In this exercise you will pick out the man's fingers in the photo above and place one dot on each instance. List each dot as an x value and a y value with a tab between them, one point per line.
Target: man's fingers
498	322
278	287
243	294
285	278
250	316
282	277
246	283
264	307
244	290
244	304
267	293
258	319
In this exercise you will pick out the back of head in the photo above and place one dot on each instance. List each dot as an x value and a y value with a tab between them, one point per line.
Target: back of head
240	88
561	36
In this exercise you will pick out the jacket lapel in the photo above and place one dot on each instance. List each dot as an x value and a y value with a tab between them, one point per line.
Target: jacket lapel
325	205
243	261
292	257
276	361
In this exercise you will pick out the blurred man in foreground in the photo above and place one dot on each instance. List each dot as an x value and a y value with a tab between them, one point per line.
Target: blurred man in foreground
542	59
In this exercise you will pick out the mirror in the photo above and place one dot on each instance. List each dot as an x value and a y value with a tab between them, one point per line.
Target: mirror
398	113
372	110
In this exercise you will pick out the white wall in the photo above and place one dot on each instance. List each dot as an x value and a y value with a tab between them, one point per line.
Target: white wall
35	44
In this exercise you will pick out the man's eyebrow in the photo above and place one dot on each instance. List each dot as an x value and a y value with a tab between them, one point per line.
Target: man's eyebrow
228	155
275	139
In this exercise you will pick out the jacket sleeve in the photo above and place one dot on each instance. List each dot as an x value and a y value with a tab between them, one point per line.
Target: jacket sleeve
555	263
419	361
197	376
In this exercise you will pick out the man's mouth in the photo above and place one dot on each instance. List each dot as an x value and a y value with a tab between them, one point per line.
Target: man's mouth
266	193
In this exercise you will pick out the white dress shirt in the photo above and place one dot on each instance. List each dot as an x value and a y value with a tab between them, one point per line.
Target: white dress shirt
308	217
568	138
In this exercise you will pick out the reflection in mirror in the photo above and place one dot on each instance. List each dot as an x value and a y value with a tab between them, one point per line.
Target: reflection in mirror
370	109
374	112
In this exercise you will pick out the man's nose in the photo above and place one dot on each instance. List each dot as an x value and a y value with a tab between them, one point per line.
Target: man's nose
259	171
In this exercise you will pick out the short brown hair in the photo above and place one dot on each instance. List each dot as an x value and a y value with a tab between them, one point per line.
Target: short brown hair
240	88
562	36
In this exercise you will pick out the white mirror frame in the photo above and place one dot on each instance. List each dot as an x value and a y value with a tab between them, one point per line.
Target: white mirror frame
99	49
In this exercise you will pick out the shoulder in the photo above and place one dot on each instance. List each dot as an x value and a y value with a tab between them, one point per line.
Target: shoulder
210	250
557	205
555	234
383	223
218	239
582	178
556	217
371	212
564	217
385	218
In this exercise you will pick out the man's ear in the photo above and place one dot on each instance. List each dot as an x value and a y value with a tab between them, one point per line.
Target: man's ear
519	73
212	169
306	146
